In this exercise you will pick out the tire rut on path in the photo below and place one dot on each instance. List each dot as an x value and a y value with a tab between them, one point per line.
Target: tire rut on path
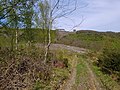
93	83
69	84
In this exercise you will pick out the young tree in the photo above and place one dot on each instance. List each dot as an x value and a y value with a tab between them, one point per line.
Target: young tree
16	14
14	20
51	10
27	14
42	21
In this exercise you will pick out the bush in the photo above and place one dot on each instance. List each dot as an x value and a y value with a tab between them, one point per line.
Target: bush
21	70
109	62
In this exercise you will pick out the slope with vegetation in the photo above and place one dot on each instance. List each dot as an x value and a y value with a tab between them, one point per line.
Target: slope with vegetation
103	53
28	61
23	65
92	40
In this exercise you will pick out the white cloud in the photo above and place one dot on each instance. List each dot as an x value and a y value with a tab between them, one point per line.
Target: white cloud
105	12
99	14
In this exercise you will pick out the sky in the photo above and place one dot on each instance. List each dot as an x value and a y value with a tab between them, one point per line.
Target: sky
99	15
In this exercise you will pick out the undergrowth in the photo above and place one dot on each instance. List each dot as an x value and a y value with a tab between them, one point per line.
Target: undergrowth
25	69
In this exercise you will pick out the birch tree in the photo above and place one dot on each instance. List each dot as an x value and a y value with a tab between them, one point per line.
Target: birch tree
51	10
16	14
27	14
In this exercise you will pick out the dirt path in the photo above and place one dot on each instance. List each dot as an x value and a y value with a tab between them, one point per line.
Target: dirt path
92	81
94	84
70	48
71	82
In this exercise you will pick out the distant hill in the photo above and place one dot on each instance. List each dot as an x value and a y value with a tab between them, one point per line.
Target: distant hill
86	31
91	39
94	31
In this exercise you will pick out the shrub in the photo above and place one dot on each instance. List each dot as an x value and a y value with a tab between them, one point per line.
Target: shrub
109	61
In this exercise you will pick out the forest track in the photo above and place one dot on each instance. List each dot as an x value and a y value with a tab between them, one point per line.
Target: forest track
92	80
71	81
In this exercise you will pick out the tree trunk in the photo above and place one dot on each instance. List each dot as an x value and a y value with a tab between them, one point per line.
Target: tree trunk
16	39
49	34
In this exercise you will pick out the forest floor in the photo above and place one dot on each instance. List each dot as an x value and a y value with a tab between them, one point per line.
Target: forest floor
91	81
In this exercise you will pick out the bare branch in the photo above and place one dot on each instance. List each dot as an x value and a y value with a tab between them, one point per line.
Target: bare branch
64	11
55	6
78	24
